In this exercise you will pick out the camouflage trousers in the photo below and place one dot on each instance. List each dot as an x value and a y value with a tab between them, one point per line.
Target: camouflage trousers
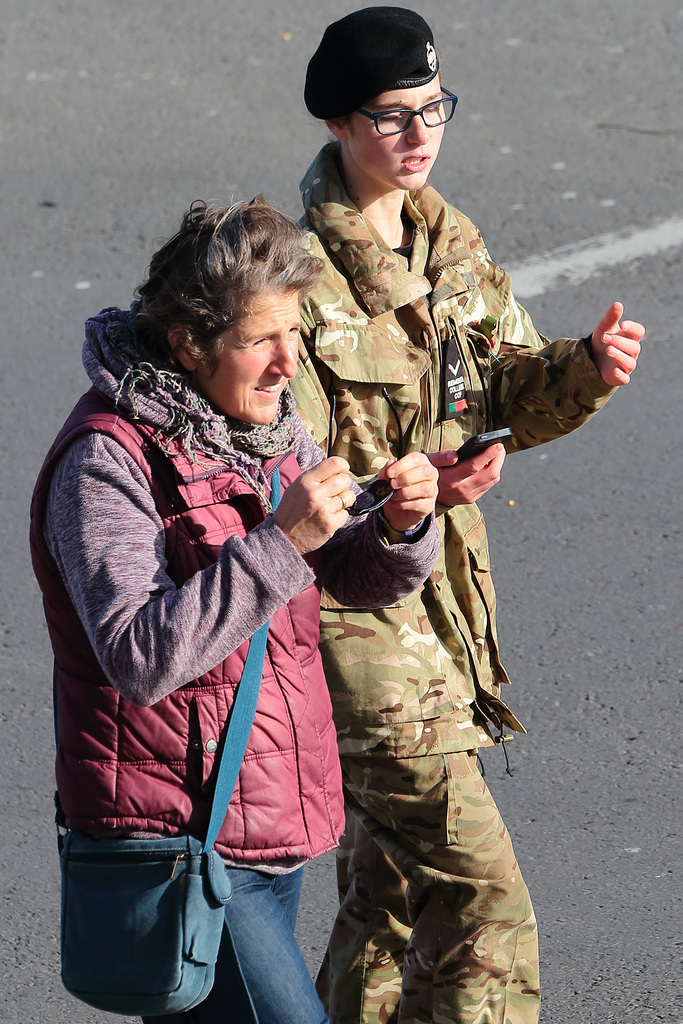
435	922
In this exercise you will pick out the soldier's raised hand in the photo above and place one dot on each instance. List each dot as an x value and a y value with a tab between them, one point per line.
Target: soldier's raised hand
615	346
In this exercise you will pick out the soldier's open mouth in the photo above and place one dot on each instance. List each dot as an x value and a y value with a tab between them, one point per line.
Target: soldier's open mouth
416	163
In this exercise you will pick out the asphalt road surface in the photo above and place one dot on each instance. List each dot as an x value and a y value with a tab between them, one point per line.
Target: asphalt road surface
566	146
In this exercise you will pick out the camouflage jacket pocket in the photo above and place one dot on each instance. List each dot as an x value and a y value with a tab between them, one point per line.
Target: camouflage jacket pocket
384	666
478	546
369	351
468	590
485	634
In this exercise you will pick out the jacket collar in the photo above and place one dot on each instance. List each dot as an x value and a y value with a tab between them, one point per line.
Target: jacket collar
380	277
378	274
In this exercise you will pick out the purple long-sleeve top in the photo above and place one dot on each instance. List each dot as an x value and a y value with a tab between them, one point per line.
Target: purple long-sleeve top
104	531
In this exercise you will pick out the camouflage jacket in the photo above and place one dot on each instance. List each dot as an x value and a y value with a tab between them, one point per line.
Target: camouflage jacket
423	676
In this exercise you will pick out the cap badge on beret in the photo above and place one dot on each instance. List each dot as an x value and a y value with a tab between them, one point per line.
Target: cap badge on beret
432	60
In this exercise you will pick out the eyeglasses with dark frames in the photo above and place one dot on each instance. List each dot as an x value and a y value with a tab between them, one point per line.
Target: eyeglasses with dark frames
393	122
375	492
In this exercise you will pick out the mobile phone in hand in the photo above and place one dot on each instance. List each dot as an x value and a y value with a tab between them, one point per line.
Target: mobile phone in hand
481	441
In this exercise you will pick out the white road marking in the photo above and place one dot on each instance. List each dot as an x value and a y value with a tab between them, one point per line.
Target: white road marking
582	260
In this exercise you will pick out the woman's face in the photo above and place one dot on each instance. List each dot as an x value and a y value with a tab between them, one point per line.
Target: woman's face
376	165
258	357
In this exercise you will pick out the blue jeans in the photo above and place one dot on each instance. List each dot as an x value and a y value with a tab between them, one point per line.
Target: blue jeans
261	976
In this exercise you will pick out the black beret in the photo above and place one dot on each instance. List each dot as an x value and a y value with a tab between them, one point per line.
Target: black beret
367	53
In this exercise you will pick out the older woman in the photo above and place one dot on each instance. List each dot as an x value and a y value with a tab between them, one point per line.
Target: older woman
159	555
412	337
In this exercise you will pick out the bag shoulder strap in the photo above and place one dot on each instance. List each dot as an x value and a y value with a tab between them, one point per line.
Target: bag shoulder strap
241	716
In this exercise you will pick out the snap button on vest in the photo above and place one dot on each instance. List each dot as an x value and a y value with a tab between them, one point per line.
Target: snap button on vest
211	746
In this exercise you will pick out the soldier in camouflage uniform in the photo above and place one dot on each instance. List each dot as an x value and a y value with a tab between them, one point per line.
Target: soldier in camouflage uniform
414	341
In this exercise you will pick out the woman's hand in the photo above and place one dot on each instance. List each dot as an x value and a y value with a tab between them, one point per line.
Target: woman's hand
414	481
462	483
615	346
314	505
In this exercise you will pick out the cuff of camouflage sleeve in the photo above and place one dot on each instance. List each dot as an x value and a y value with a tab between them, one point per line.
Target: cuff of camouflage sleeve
598	386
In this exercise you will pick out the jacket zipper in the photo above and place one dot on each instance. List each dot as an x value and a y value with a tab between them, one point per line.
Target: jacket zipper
208	474
280	460
440	267
432	391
